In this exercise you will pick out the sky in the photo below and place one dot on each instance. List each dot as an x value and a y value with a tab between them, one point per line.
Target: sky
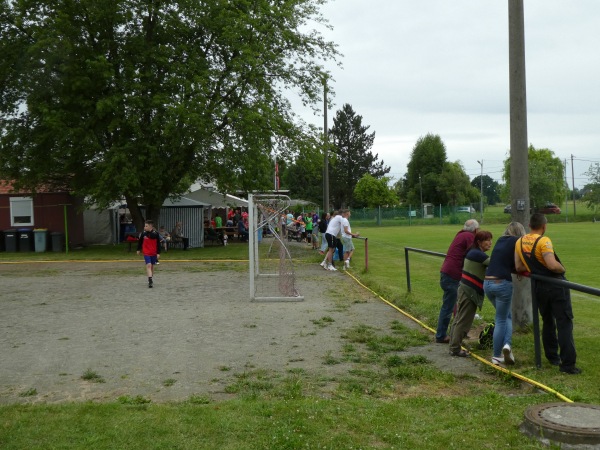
441	66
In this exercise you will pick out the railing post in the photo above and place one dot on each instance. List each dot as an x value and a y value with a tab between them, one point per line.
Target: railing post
536	325
366	254
407	268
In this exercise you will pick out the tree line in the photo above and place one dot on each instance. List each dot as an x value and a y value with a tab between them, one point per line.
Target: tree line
137	100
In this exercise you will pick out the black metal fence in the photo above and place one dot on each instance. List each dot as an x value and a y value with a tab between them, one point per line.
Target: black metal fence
534	301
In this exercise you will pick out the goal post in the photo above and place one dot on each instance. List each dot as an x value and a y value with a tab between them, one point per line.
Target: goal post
271	268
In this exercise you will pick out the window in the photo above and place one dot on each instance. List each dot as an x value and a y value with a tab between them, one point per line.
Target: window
21	211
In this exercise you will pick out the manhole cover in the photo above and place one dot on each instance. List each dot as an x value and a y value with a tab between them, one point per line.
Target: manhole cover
576	425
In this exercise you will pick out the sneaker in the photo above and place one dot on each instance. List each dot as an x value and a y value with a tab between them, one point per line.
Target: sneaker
508	355
347	264
498	361
571	370
157	263
330	267
324	264
150	285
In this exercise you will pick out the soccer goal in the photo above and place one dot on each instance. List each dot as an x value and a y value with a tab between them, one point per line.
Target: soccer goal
272	275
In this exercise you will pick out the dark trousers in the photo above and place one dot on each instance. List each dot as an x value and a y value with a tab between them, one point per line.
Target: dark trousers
557	328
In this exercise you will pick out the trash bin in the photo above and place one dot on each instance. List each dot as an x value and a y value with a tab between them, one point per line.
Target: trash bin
57	242
40	236
25	237
1	241
10	240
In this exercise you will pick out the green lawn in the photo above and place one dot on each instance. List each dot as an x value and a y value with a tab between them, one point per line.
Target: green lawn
435	411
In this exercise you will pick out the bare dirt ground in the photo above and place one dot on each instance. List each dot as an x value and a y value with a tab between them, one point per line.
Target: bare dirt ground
189	335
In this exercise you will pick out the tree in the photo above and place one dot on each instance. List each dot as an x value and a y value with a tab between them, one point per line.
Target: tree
138	99
454	185
592	189
546	182
491	189
426	164
304	176
373	192
353	157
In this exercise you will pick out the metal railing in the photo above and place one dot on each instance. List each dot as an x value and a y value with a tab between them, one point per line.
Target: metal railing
534	302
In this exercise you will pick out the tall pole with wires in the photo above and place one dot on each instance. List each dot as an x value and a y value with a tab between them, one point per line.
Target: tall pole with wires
325	150
519	164
573	184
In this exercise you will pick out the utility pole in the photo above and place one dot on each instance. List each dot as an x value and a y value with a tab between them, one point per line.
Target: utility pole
325	150
573	184
481	192
522	310
519	167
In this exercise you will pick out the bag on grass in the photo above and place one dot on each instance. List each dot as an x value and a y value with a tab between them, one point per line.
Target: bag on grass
486	337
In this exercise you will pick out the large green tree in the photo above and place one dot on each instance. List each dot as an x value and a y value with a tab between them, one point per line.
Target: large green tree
454	185
427	161
353	157
546	177
592	189
430	178
491	189
373	192
138	98
303	176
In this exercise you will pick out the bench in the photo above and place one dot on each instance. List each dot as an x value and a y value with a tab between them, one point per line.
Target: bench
174	243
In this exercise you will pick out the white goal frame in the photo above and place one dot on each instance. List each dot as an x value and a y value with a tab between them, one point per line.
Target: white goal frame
256	221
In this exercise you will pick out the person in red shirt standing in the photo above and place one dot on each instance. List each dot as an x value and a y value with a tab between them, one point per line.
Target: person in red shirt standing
450	275
149	245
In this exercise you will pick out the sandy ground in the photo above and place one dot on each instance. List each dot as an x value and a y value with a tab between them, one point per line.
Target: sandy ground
189	335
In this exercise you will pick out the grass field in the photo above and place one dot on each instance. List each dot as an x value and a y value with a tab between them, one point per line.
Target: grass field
437	412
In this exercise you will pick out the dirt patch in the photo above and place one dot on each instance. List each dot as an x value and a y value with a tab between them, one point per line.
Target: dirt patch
189	335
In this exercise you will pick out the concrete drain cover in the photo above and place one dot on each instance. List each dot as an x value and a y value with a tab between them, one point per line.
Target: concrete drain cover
574	425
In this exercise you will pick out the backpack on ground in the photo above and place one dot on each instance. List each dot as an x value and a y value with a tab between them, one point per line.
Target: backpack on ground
486	337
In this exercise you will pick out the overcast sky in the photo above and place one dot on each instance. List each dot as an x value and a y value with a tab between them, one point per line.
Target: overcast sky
441	66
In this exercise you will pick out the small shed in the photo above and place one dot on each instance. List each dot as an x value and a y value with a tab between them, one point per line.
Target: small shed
188	211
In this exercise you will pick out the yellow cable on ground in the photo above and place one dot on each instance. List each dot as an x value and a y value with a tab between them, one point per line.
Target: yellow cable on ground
479	358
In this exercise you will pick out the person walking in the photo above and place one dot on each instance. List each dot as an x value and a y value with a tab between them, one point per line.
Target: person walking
470	290
347	236
498	287
331	235
323	223
149	245
534	253
309	228
450	275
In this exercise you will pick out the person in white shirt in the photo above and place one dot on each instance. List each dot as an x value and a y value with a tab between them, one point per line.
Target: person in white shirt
347	236
331	235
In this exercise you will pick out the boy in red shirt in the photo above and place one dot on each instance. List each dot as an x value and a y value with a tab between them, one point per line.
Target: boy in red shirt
149	245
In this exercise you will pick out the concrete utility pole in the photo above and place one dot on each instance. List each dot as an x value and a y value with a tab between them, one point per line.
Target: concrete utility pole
325	151
519	163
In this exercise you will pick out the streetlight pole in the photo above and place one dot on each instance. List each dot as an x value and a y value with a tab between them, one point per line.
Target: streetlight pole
325	150
481	191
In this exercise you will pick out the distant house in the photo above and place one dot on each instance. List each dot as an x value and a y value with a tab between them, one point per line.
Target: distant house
57	211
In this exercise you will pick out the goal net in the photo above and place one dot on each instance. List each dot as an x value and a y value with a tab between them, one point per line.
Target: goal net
272	275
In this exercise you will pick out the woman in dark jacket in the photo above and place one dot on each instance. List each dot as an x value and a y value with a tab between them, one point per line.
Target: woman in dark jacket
499	288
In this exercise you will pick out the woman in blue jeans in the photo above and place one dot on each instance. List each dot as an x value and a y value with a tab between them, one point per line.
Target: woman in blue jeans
498	288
